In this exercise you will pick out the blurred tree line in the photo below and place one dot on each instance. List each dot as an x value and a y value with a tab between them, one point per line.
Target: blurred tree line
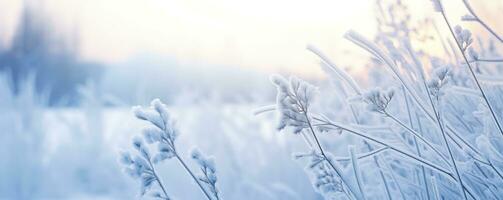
38	49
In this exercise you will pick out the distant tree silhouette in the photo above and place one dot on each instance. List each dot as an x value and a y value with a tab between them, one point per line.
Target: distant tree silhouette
37	48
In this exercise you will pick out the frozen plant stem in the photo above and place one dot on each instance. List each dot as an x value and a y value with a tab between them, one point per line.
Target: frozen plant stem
472	73
293	100
441	127
418	150
413	157
477	19
416	135
420	160
460	181
158	179
376	158
374	50
494	60
162	133
412	54
322	152
356	168
192	175
185	165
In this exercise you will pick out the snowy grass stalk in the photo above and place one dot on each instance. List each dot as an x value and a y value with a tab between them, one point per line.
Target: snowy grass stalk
474	17
328	160
294	97
161	185
417	135
293	100
162	132
440	76
463	40
446	143
208	169
377	101
378	53
462	49
393	176
356	171
487	60
337	126
434	88
365	155
418	150
342	74
193	176
434	185
357	91
374	50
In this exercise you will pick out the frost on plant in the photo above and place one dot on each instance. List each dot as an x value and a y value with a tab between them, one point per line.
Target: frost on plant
324	180
140	167
292	101
439	79
449	137
162	134
377	99
463	37
208	169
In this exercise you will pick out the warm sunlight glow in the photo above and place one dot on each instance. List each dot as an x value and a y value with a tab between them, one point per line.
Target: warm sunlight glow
268	35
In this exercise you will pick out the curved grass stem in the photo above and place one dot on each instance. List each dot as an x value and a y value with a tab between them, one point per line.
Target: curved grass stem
192	175
406	154
417	135
472	72
322	152
159	182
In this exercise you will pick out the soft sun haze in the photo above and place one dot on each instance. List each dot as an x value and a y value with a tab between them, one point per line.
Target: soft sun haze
261	34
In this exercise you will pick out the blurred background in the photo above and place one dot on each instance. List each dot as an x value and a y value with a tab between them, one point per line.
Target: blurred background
71	69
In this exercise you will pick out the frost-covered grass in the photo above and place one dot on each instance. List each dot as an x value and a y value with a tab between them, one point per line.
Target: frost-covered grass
73	166
244	148
433	133
163	133
415	125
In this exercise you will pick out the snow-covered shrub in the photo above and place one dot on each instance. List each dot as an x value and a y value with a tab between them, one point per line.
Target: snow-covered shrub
163	133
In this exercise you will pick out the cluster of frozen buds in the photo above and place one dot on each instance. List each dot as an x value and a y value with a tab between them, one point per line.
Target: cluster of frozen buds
463	37
325	181
377	99
208	169
440	78
292	102
162	133
140	167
